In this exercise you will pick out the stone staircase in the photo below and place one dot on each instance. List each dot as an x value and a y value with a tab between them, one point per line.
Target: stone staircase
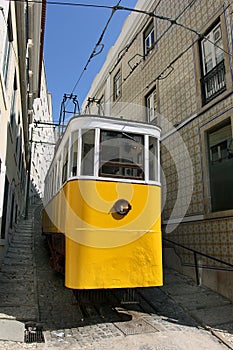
18	291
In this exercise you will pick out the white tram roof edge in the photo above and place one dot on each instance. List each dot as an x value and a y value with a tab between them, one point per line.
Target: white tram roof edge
88	121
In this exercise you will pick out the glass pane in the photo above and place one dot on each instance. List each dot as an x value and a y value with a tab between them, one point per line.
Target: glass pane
153	159
217	38
221	168
73	154
121	155
88	147
207	53
151	106
65	163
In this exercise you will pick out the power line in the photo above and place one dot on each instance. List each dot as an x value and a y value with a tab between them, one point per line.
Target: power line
98	45
169	66
117	7
95	51
156	41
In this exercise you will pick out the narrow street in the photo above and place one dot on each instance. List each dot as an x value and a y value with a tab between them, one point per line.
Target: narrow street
179	315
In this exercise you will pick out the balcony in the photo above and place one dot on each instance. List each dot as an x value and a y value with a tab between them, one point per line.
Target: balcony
213	83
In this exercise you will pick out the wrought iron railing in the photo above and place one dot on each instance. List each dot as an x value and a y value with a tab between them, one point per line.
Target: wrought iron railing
213	83
195	254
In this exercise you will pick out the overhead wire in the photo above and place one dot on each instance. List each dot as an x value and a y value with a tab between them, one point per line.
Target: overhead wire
156	41
117	7
124	8
94	51
159	76
98	44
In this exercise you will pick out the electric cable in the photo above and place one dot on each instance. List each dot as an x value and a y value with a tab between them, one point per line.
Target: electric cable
159	76
98	44
156	41
173	21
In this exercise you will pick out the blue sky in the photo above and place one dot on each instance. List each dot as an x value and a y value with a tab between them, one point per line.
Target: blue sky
70	37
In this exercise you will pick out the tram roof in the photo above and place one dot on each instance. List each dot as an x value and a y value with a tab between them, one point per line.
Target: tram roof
88	121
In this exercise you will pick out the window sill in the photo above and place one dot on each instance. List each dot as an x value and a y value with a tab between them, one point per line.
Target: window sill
219	214
148	58
218	99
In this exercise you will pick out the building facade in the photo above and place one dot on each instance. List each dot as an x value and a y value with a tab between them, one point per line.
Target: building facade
42	140
21	60
172	66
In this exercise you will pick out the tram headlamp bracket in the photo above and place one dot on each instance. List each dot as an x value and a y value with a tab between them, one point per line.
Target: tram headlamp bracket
122	207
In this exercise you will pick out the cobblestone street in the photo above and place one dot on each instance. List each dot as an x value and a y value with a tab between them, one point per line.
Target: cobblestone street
179	315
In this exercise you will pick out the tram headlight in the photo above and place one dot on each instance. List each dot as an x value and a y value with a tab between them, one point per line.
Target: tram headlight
122	207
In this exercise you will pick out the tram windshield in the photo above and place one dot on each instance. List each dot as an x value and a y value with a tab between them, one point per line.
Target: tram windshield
121	155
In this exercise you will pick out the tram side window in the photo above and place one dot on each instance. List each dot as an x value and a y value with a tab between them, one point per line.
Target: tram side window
65	163
121	155
73	154
88	147
58	184
153	159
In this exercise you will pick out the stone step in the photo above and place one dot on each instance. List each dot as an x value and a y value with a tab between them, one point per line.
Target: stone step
19	256
16	262
26	232
23	226
25	242
18	250
11	329
22	242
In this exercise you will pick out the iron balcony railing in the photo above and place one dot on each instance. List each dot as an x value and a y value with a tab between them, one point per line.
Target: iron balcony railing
213	83
195	254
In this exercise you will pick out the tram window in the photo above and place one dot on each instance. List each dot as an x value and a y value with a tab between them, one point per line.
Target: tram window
153	159
73	154
88	147
121	155
58	174
65	163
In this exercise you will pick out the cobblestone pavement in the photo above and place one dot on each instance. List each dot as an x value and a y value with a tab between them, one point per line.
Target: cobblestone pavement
179	315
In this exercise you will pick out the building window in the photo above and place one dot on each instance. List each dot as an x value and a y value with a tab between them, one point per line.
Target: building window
151	107
12	110
220	149
213	80
149	38
117	85
7	50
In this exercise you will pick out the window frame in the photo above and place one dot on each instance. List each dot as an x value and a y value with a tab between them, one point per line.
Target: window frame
149	35
117	85
203	105
209	39
7	48
205	129
151	117
121	163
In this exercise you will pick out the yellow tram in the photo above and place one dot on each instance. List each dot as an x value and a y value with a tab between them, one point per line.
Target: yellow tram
102	209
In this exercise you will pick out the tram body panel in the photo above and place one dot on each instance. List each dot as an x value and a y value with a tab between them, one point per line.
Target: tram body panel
136	264
104	250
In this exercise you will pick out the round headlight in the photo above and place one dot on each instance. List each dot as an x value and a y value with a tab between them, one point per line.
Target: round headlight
122	207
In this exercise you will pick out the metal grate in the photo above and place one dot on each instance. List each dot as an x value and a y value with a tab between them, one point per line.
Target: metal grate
33	335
